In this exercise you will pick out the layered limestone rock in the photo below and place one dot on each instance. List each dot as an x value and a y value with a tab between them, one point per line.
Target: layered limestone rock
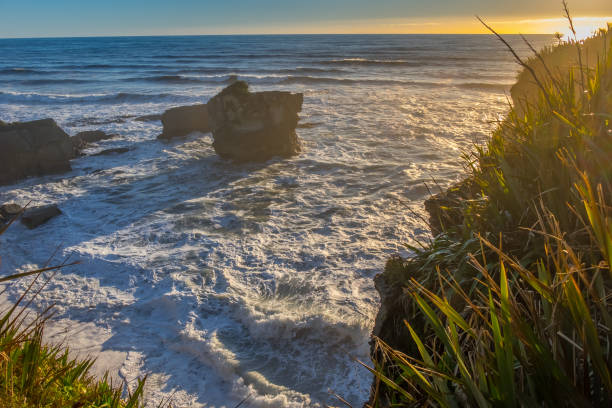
33	148
256	126
183	120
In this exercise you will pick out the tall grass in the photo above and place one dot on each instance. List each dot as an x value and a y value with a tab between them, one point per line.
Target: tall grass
34	374
512	307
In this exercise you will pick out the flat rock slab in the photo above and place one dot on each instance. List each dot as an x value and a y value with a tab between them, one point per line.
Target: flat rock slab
257	126
33	217
183	120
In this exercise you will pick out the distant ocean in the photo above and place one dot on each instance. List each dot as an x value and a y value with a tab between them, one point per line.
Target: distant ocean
223	281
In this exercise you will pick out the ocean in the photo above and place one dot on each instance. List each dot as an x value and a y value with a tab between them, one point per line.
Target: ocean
241	282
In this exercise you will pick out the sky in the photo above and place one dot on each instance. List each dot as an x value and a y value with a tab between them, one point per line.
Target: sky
67	18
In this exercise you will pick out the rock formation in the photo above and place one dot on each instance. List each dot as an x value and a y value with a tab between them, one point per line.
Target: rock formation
116	150
148	118
33	217
82	139
183	120
33	149
254	126
8	212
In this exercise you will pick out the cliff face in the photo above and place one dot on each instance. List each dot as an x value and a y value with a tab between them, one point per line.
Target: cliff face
444	211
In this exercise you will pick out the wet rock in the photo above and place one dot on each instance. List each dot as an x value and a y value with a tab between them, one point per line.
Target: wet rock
33	148
82	139
308	125
95	121
183	120
36	216
389	325
92	136
9	211
254	126
116	150
148	118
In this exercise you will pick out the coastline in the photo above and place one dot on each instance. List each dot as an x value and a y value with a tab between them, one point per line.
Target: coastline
453	220
194	152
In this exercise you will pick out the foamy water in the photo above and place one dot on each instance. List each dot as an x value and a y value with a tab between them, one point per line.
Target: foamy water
227	282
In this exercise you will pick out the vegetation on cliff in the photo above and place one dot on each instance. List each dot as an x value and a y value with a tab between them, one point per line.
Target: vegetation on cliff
509	305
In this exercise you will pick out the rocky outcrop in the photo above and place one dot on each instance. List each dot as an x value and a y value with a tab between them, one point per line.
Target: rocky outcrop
82	139
254	126
183	120
445	212
33	217
33	149
9	211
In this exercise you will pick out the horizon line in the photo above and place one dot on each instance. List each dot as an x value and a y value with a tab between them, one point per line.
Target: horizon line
255	34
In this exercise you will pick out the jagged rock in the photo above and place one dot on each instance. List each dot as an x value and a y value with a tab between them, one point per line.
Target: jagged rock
116	150
8	211
33	149
148	118
254	126
183	120
389	324
36	216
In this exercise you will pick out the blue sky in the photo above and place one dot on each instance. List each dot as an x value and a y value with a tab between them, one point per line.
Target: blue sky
35	18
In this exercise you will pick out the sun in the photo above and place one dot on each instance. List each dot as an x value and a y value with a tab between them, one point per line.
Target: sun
585	27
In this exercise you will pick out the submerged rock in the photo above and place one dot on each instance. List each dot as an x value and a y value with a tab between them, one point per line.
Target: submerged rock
116	150
92	136
36	216
33	149
82	139
148	118
254	126
183	120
